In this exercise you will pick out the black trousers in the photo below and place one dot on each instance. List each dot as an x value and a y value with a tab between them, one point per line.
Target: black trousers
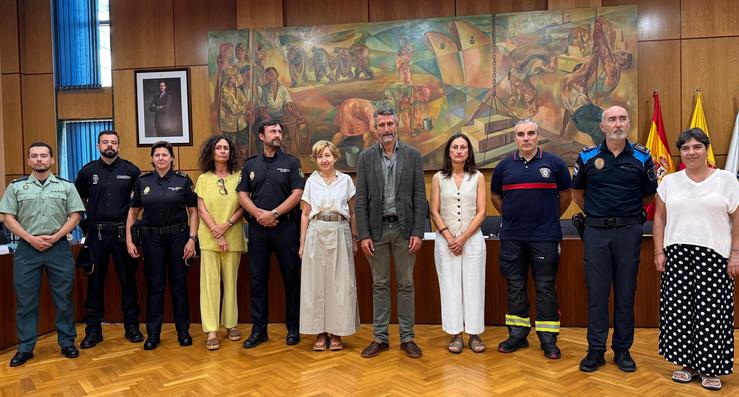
283	241
103	246
163	262
542	257
611	259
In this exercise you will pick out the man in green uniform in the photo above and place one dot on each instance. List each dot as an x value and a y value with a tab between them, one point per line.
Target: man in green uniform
41	209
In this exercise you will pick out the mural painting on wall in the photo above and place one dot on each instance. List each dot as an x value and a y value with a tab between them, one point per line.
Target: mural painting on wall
561	68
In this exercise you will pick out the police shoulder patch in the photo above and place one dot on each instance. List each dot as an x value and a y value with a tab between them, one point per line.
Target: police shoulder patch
588	148
641	148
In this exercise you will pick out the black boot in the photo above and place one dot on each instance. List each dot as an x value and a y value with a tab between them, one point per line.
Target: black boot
549	345
516	339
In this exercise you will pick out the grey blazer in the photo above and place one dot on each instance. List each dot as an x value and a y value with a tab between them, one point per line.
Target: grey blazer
410	192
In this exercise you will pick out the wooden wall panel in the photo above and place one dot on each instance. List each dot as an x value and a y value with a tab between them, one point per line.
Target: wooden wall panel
314	12
658	19
87	104
9	37
200	112
39	111
258	14
2	130
35	36
711	65
566	4
709	18
124	119
659	69
387	10
12	124
142	33
193	19
474	7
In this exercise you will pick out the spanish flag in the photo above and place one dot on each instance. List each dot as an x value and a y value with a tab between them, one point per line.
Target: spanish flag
658	147
699	121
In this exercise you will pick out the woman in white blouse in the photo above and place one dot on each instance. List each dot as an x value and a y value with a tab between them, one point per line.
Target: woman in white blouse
328	292
458	200
696	247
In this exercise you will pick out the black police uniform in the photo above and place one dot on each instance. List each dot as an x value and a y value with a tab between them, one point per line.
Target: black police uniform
614	188
165	231
271	180
107	187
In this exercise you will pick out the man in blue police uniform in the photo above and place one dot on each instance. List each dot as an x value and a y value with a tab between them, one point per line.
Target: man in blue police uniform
105	185
270	190
41	210
531	190
611	183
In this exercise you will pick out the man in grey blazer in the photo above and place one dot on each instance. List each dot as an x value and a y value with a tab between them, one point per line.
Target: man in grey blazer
391	209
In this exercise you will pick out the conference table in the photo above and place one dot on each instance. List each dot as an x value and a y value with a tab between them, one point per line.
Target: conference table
571	291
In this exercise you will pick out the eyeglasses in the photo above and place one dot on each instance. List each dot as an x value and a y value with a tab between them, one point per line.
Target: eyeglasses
221	186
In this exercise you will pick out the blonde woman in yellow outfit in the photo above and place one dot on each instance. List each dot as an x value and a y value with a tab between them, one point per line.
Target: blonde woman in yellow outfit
221	237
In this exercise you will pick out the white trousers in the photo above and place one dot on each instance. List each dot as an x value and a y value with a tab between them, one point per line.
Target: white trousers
462	285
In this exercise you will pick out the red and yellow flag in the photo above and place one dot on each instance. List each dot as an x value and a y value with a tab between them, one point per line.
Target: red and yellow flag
657	143
699	121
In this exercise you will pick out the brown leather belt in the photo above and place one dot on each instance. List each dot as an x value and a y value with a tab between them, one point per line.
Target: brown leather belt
329	217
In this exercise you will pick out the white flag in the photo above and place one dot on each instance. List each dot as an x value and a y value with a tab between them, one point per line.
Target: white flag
732	157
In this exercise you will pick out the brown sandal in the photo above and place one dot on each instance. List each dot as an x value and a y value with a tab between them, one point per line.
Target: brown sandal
233	334
320	344
335	343
476	344
456	345
212	343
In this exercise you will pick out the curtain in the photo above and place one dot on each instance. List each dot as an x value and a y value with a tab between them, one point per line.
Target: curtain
76	45
77	146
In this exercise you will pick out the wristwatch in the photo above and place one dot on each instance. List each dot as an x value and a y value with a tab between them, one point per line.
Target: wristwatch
194	238
275	213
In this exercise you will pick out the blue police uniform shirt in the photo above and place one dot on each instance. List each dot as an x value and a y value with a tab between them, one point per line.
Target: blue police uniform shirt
165	199
271	180
530	192
107	188
614	186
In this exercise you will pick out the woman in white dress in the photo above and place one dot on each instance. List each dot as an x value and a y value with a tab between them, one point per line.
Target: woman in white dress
458	199
328	292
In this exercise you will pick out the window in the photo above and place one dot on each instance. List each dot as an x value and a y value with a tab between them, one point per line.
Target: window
106	68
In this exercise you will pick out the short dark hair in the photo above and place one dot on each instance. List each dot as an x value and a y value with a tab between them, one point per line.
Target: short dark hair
269	123
469	165
272	68
41	144
108	132
163	144
162	81
693	133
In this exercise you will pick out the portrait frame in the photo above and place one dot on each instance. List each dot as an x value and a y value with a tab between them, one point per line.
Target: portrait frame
163	107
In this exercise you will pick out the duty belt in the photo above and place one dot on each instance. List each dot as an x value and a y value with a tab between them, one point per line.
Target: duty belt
165	229
106	226
612	222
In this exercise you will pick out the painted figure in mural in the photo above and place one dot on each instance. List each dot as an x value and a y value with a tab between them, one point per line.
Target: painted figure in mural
527	61
224	61
403	61
407	101
577	86
361	61
343	63
275	103
321	64
297	58
236	110
355	117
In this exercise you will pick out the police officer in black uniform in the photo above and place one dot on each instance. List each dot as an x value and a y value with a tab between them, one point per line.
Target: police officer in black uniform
611	183
169	230
105	185
270	190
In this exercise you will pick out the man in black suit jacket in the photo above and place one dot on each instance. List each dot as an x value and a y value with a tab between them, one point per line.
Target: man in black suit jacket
391	209
160	105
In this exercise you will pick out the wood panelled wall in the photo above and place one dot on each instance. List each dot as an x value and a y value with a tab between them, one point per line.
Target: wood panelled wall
683	45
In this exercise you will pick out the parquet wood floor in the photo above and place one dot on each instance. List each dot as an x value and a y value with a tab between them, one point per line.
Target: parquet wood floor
117	367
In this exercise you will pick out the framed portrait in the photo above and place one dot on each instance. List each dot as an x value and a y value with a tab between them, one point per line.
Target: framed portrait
163	106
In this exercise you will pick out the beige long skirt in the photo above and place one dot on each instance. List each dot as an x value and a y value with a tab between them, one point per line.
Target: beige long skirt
328	288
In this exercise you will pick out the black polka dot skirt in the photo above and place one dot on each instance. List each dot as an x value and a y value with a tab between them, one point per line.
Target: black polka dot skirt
696	310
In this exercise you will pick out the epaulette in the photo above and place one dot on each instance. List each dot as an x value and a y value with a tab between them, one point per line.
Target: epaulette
147	173
181	173
587	148
641	148
23	178
62	179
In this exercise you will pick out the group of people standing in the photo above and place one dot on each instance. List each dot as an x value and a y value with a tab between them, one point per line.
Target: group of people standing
695	233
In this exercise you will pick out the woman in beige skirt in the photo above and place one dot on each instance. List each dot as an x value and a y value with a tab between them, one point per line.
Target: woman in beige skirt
328	292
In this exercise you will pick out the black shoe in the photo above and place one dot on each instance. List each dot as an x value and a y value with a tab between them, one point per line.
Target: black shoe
151	342
624	361
293	338
70	351
91	339
512	344
134	335
20	358
255	339
592	361
551	350
184	338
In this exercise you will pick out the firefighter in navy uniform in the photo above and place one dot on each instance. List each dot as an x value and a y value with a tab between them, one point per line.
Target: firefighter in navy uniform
169	229
270	190
611	183
531	190
105	184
